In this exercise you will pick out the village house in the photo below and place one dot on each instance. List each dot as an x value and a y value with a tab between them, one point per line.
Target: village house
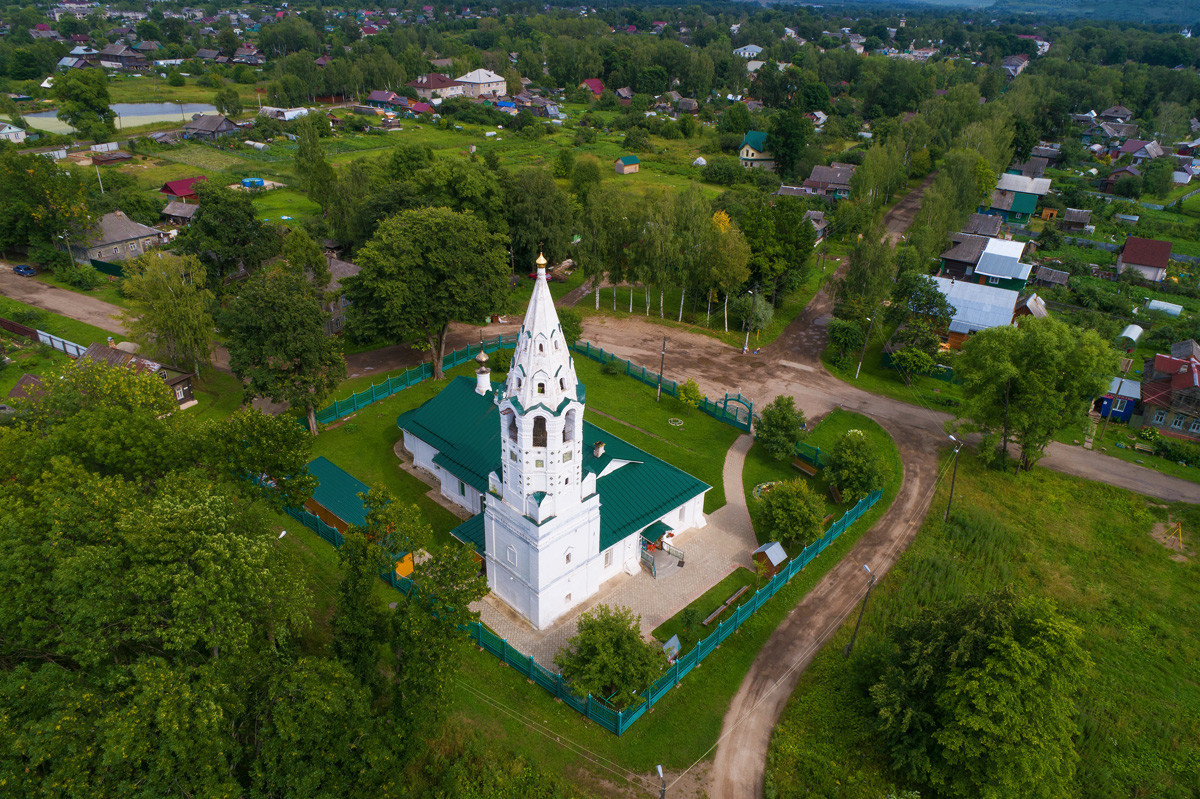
11	133
1074	220
1116	113
482	82
435	84
1148	257
1108	132
1016	197
1120	401
339	270
1171	391
116	238
983	225
119	56
976	307
819	223
208	126
748	51
179	213
1141	151
179	381
1110	182
1050	278
753	152
593	85
388	100
830	181
183	189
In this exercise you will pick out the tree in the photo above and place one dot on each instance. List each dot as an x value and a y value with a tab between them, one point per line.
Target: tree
795	513
1024	384
316	175
228	102
845	336
788	139
1157	176
39	203
226	233
570	321
722	170
637	140
736	119
423	269
608	659
868	280
780	428
359	620
173	321
912	361
585	177
564	163
83	102
689	394
540	216
275	333
856	466
977	699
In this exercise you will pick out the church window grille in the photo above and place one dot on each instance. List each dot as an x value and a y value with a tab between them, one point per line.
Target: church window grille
512	427
567	598
539	431
541	348
568	556
562	384
568	455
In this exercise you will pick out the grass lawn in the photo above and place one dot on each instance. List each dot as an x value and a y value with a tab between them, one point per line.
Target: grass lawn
1115	433
1088	548
712	599
217	395
878	379
762	468
26	357
274	205
81	333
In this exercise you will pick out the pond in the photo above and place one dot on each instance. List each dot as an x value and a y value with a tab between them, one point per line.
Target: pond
128	115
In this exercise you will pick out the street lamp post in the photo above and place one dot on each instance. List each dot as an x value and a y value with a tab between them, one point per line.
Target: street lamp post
870	327
661	364
953	477
662	792
861	610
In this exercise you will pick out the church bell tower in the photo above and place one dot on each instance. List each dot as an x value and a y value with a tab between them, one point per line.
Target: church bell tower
542	514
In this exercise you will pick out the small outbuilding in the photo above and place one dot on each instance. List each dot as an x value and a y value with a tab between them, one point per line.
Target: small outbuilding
626	165
770	557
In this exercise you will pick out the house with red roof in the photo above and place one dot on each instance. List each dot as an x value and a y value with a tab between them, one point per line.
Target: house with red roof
435	84
1140	150
1171	391
593	85
1148	257
183	190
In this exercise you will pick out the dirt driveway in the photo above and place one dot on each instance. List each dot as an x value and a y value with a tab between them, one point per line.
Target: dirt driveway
80	307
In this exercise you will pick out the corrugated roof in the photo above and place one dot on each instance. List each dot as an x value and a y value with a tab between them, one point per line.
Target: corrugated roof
1020	183
471	532
1055	277
1080	216
1169	308
756	139
992	264
337	491
465	429
1122	387
629	160
176	208
115	227
976	307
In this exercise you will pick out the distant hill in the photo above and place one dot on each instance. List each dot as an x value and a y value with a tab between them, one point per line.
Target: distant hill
1175	12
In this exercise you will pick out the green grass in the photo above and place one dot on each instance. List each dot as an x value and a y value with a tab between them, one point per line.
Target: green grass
80	333
275	204
925	391
712	599
26	357
1083	545
217	395
762	468
108	291
1118	433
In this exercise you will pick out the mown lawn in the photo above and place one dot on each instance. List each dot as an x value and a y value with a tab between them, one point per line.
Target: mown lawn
80	333
925	391
1083	545
708	603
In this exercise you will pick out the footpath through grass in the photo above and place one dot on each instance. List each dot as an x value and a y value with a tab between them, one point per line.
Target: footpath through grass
1088	547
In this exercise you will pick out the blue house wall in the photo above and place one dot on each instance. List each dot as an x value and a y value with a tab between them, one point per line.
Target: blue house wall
1117	416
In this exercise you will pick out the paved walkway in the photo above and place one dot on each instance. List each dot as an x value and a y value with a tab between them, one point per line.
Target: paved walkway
712	552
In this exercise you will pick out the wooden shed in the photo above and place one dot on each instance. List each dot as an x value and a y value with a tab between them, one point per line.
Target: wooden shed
770	557
626	165
335	501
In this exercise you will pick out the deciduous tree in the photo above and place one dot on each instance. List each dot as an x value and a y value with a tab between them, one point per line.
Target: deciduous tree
608	659
794	512
83	102
275	332
423	269
173	321
856	466
780	427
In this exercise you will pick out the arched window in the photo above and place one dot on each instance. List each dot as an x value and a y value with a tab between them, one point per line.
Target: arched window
512	426
555	343
541	388
568	557
539	431
541	347
569	427
562	384
518	384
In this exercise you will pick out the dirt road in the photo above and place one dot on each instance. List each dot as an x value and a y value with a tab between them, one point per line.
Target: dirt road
73	305
900	217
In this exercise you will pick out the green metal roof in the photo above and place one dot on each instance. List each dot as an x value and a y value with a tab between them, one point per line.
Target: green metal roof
656	531
629	160
471	532
756	139
1023	203
465	429
338	491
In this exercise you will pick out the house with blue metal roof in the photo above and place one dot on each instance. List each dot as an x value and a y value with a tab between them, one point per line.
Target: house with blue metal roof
976	307
560	506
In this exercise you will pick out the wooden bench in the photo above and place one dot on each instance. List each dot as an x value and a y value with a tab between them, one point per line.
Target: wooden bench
805	467
725	606
1140	447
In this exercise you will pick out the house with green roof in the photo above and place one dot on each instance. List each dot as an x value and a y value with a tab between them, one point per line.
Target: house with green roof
627	165
753	152
560	506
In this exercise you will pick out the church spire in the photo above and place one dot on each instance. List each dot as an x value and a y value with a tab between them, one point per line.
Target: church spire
542	372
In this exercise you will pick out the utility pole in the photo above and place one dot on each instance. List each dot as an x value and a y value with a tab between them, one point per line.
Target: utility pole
662	792
99	179
866	340
661	364
953	477
861	610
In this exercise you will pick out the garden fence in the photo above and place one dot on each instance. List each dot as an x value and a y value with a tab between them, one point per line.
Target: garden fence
618	721
18	329
331	535
733	409
60	344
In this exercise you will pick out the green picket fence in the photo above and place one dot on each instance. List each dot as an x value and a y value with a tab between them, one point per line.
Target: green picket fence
732	409
618	721
116	270
411	376
331	535
810	454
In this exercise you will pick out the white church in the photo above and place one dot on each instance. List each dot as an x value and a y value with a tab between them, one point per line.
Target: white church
561	506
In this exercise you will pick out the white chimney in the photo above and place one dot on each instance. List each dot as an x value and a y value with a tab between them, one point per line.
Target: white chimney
598	449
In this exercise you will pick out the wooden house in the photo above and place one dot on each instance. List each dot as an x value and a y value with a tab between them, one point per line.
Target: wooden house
626	165
179	381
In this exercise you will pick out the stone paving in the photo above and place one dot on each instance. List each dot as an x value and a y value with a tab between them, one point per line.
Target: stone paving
711	553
